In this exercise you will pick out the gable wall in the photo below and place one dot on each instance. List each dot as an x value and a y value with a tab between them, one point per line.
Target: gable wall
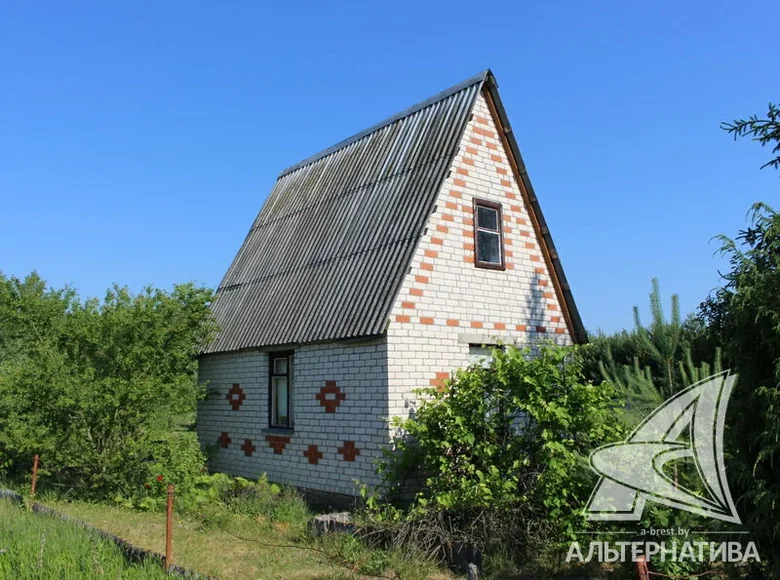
358	369
446	302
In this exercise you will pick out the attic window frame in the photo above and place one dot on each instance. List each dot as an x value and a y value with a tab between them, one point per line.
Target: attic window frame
500	225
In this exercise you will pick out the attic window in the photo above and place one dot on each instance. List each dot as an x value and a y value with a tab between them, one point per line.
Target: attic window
488	239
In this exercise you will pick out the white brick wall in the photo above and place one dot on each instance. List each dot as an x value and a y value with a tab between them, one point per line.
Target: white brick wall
446	302
360	372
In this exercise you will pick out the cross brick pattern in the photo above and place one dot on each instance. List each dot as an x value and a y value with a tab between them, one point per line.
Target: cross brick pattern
236	396
248	448
349	451
313	454
330	396
277	443
224	439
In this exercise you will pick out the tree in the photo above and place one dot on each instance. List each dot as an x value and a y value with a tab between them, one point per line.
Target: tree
95	387
764	130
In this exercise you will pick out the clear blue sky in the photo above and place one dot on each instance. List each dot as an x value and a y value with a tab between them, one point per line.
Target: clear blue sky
138	141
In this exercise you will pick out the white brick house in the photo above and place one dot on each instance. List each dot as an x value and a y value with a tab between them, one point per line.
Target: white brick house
374	268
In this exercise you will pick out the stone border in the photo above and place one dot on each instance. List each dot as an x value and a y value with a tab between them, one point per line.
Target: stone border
131	553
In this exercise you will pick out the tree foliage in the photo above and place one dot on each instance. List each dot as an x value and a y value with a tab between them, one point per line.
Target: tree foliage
508	441
764	130
744	316
97	387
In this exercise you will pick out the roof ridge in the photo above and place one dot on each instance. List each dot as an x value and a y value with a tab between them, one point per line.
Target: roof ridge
477	78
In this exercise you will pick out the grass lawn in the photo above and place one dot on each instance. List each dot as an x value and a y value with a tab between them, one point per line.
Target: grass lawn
210	550
35	547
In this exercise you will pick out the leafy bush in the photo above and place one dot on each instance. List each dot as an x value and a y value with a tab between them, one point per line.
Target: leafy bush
500	452
97	387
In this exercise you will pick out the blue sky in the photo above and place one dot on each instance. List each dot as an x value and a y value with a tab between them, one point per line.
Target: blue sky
138	141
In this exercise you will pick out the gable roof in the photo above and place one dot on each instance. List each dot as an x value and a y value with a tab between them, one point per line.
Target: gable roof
329	250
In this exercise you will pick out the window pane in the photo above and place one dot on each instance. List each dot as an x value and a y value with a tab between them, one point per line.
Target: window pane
280	366
279	401
480	355
487	218
488	247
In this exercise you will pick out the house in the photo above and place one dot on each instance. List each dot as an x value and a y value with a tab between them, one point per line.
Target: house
376	267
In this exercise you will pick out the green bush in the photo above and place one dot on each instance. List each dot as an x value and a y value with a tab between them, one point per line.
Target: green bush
500	453
97	387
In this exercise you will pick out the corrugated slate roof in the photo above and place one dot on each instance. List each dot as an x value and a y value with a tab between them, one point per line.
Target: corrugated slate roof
330	248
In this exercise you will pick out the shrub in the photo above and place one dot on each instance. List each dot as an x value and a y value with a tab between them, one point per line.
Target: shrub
500	452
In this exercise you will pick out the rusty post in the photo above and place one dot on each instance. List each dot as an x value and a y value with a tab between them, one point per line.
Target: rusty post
169	530
641	568
35	475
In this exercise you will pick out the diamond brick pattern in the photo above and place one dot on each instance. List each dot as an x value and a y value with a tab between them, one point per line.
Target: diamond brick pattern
277	443
313	454
236	396
247	447
349	451
330	396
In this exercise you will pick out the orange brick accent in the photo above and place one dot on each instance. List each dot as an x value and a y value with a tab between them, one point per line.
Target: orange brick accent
458	183
438	381
476	324
461	171
468	161
543	282
426	320
456	194
481	120
529	245
415	292
421	279
508	241
539	271
553	307
438	241
469	246
510	195
491	145
560	331
555	319
442	228
535	258
507	230
522	221
453	322
509	266
403	318
507	253
525	233
506	183
476	141
451	205
520	327
468	259
485	132
447	217
501	171
407	304
548	295
431	253
499	326
516	208
496	158
429	267
468	221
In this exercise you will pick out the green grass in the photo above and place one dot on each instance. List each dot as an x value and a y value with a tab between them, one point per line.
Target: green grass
35	547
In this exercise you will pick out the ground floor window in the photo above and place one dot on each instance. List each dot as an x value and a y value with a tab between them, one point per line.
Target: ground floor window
280	400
